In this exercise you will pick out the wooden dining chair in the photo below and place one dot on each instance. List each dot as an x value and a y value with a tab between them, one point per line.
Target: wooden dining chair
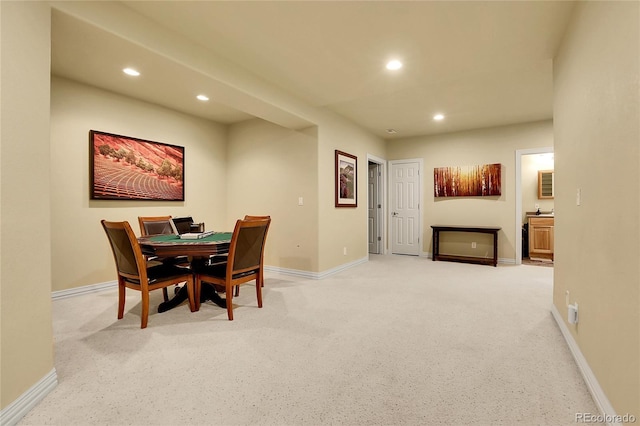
161	225
244	264
249	217
133	272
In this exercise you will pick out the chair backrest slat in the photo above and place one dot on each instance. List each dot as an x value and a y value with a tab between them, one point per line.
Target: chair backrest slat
250	217
156	225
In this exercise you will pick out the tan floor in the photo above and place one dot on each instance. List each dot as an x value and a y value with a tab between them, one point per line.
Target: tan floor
547	263
397	340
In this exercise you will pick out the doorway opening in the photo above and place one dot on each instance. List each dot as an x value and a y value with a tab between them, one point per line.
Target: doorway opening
376	225
533	246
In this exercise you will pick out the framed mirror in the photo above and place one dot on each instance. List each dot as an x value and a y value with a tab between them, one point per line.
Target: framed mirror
545	184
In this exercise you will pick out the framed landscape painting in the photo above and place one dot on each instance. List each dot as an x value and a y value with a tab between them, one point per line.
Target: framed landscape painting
468	181
346	180
127	168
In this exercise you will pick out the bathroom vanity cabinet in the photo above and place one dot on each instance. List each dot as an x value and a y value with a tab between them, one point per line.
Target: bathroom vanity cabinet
541	237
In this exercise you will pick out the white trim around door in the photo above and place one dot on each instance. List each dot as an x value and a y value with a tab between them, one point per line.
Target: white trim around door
382	197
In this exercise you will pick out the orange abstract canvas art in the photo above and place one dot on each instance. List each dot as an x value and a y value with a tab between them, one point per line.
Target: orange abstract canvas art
467	181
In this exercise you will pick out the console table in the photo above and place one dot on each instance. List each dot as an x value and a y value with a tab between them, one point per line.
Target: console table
437	229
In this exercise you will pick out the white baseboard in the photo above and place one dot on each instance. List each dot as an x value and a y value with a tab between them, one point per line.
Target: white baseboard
19	408
599	397
92	288
316	275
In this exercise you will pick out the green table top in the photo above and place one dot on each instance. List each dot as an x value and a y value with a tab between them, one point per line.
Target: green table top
218	237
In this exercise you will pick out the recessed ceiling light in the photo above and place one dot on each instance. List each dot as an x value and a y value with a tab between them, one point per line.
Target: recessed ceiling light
394	65
131	71
438	117
202	97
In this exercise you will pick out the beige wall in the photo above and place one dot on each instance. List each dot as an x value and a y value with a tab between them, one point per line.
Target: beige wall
26	353
530	165
484	146
254	167
343	227
597	134
80	251
269	168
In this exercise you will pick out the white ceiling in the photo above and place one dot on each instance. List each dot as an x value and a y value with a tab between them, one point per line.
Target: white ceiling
480	63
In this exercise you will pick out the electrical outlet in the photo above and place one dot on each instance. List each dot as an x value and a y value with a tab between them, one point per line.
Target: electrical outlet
344	251
473	244
572	313
537	206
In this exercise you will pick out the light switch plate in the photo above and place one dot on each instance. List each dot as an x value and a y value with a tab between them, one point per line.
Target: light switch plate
578	197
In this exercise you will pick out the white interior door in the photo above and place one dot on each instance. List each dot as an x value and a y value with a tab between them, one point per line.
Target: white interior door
405	206
374	207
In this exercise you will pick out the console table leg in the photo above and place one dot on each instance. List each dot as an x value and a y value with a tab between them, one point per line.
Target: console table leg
436	245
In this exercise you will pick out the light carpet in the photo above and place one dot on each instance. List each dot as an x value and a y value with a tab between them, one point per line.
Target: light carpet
394	341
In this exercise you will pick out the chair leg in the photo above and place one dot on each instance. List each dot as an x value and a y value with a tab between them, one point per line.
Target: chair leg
165	294
144	315
259	290
121	298
229	291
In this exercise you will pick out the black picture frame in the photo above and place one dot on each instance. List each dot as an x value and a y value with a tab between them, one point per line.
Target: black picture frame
129	168
346	178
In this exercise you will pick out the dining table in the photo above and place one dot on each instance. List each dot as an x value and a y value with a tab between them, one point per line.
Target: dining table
198	250
168	245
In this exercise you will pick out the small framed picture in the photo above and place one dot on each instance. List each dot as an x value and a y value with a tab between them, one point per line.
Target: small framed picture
346	180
